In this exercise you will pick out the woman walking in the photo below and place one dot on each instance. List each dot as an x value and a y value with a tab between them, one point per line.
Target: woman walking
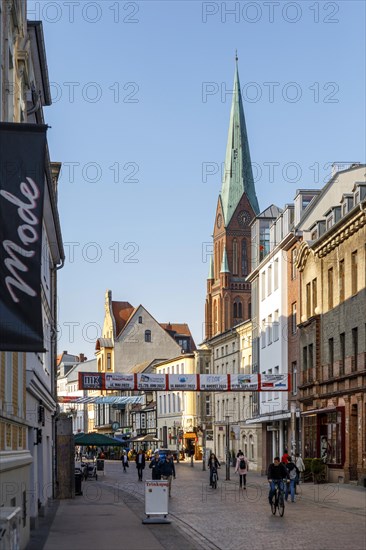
242	469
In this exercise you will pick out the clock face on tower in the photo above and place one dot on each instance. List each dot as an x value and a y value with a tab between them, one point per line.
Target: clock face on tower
219	220
244	218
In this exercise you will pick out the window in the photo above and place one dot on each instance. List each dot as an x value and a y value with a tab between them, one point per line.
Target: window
275	275
207	406
147	335
311	356
244	258
109	361
315	294
293	318
330	288
341	281
269	330
342	362
354	349
235	257
293	263
308	301
354	272
305	358
140	320
269	284
276	327
331	357
263	287
263	334
294	377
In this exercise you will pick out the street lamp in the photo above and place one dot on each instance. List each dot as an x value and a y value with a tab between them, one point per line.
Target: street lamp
227	448
204	447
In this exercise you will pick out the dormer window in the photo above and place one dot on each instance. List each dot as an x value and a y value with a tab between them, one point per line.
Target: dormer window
357	197
344	209
313	235
329	222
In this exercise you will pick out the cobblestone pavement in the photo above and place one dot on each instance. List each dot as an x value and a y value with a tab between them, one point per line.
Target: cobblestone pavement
324	517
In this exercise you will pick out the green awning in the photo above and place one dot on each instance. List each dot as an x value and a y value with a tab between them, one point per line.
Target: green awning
99	440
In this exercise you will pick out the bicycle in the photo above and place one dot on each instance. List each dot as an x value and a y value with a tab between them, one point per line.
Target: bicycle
214	478
278	499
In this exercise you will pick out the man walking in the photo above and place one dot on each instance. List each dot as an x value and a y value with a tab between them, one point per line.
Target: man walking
140	463
154	465
167	469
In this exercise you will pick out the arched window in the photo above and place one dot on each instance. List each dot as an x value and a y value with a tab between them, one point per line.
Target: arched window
251	447
245	440
244	258
147	335
235	310
240	310
235	257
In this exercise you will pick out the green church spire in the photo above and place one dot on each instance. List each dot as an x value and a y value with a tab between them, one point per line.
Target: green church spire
224	263
238	175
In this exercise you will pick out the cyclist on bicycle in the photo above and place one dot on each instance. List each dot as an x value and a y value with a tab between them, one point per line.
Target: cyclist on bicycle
277	472
213	464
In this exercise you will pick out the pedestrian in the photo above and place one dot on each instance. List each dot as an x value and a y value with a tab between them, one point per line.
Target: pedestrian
242	469
299	463
191	454
124	459
213	464
240	452
154	465
285	457
167	469
140	463
293	473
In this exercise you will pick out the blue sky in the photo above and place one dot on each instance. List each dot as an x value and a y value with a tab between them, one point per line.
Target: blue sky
141	111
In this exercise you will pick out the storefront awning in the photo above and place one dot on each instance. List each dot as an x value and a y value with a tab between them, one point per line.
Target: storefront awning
269	417
312	412
190	435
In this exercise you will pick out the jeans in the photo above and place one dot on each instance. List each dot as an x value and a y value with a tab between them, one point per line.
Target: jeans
139	471
272	489
290	487
212	470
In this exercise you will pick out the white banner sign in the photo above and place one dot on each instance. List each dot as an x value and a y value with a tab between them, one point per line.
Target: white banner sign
151	382
213	382
183	382
118	381
244	381
275	382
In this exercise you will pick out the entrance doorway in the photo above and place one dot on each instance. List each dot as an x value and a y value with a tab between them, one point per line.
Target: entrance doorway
353	444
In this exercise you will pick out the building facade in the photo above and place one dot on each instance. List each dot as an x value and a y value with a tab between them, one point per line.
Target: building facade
177	410
332	263
28	380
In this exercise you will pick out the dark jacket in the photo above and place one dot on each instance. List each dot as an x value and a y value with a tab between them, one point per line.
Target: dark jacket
213	463
154	465
166	468
142	463
277	472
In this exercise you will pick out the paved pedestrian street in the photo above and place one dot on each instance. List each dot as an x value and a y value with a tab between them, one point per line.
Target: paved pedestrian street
323	517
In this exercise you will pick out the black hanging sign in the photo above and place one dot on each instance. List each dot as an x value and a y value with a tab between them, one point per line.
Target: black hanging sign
22	178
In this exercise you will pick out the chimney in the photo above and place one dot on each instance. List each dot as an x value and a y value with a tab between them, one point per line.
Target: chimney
82	358
65	352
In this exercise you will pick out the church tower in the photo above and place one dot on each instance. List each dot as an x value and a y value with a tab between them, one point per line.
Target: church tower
228	294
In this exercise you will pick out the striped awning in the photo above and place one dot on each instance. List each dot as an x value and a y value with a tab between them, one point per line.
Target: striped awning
102	399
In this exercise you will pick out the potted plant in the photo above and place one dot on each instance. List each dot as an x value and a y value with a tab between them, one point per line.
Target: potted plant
318	469
308	476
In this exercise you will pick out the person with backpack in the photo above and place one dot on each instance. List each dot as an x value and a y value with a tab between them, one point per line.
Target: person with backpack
242	469
293	473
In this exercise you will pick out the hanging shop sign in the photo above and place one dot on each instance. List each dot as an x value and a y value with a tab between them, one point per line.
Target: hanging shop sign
22	179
